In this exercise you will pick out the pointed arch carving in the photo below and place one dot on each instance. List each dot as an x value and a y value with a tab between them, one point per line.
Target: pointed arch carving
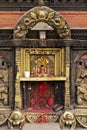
42	14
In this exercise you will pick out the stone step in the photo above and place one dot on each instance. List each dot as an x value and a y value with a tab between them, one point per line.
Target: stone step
41	126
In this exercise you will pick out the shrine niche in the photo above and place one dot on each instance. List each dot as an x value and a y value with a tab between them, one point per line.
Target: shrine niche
42	87
42	72
42	96
82	80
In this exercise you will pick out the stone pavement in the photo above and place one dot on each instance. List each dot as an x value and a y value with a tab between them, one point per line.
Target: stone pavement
6	128
40	126
3	128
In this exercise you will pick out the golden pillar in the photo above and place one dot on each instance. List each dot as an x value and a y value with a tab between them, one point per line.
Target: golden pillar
67	73
18	101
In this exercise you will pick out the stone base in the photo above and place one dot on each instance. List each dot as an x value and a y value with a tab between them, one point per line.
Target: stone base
41	126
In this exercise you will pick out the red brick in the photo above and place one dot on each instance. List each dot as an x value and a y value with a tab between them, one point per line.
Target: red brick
74	19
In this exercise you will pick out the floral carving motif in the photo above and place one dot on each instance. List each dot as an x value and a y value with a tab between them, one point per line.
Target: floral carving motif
82	120
3	117
41	117
42	14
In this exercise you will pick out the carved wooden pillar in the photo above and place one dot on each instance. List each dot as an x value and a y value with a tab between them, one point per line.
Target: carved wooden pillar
67	83
18	102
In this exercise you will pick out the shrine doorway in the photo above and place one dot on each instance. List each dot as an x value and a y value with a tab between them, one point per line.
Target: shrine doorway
36	51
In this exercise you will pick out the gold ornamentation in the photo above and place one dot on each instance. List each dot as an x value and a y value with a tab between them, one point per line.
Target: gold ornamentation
18	103
43	79
32	117
42	14
52	117
26	59
32	59
4	114
82	120
43	117
43	60
16	119
67	120
3	117
67	83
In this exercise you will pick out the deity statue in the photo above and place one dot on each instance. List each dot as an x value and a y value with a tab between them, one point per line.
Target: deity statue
32	102
42	71
82	81
51	101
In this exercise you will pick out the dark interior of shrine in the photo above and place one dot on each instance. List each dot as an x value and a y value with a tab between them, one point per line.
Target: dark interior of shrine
47	39
43	96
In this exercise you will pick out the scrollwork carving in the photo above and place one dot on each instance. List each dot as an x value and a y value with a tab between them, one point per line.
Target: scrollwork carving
41	117
32	117
42	14
82	120
3	117
20	32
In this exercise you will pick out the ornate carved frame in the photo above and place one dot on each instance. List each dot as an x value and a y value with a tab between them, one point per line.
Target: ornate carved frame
42	14
23	55
58	54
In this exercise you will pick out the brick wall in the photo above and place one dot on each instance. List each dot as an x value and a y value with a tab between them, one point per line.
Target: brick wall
75	19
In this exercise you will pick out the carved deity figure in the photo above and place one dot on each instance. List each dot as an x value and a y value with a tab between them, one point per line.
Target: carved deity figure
3	81
32	102
51	101
82	89
82	81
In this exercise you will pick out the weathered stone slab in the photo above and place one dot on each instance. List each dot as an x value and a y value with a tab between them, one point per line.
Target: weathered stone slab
41	126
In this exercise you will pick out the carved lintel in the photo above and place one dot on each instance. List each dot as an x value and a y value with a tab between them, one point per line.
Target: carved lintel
42	14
